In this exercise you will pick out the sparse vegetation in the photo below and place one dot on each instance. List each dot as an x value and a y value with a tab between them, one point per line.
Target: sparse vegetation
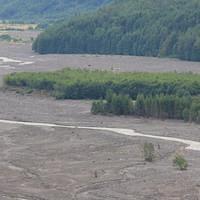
8	38
5	37
149	152
180	162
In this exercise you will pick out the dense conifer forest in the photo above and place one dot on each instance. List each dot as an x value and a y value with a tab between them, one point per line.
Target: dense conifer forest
135	27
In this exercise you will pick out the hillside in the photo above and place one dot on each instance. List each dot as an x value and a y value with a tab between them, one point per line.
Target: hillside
135	27
35	10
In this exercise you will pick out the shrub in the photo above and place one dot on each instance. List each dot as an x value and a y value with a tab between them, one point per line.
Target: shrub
149	152
180	162
116	104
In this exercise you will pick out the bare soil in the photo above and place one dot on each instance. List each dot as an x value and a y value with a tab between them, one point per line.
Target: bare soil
66	164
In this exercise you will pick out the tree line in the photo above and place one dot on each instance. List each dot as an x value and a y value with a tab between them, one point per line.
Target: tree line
88	84
161	106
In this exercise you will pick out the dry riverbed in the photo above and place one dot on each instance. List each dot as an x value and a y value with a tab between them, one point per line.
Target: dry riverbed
64	163
58	163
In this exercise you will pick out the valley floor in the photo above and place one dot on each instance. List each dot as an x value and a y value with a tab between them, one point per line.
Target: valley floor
48	163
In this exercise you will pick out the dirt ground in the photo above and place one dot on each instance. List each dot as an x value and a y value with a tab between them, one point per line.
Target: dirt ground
44	163
24	53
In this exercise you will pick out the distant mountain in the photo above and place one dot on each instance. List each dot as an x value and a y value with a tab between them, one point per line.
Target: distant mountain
41	10
134	27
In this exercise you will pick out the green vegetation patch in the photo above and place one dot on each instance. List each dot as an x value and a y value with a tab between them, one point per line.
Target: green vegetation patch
161	106
180	162
87	84
149	152
8	38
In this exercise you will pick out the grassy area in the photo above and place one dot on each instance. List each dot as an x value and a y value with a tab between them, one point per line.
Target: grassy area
86	84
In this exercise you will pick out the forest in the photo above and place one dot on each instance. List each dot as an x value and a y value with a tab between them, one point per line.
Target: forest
142	28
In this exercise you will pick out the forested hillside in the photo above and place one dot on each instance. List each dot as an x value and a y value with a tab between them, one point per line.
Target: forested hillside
42	10
135	27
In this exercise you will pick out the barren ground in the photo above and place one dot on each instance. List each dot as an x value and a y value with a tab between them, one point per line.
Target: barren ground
66	164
